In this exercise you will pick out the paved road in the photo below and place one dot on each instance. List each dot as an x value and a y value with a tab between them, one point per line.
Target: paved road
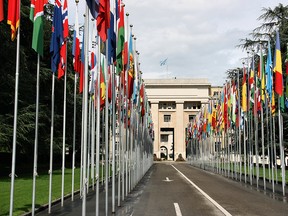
165	191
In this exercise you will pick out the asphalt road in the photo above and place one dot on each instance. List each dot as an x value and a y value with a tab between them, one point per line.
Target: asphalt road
165	191
231	197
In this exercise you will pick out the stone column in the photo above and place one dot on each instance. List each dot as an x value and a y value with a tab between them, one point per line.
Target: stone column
179	133
155	116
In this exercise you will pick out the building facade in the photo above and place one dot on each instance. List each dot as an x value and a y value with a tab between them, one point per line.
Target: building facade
174	102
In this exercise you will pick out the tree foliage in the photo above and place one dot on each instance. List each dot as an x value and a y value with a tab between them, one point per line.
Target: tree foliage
27	91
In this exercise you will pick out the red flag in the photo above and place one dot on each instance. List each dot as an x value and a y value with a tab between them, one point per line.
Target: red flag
103	19
63	57
13	17
62	63
1	10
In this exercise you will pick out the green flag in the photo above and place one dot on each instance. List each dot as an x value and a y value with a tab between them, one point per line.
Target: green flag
36	15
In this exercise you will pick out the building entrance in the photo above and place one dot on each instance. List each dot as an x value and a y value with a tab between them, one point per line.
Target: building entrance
167	142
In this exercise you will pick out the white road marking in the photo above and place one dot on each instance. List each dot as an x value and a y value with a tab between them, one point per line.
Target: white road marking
177	209
224	211
167	179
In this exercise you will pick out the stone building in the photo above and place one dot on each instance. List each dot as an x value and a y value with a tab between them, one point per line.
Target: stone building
174	102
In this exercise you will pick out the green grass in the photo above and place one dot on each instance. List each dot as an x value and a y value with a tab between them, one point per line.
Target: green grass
23	190
261	173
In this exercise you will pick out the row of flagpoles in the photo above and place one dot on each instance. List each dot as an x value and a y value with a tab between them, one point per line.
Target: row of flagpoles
225	133
107	67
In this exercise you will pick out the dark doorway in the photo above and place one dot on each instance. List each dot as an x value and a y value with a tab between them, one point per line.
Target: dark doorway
171	155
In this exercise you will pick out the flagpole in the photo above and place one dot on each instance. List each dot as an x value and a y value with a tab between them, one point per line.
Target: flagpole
64	130
74	136
15	118
97	130
35	174
106	131
239	127
262	119
126	117
85	111
113	139
51	141
282	158
256	92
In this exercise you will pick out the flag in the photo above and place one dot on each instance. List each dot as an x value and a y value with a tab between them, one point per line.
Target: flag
111	41
57	36
76	44
13	17
36	15
103	19
131	71
244	91
102	88
93	7
163	62
63	57
121	38
1	10
268	71
278	67
252	89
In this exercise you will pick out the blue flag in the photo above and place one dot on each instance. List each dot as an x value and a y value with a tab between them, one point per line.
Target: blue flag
57	36
269	72
93	6
111	41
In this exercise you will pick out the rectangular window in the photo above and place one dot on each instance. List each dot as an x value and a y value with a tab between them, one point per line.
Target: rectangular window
191	117
164	138
167	118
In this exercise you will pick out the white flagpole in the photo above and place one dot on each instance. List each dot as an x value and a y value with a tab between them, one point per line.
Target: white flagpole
120	144
36	138
106	130
262	120
113	138
51	142
98	130
15	119
85	111
64	132
89	100
126	117
282	158
74	135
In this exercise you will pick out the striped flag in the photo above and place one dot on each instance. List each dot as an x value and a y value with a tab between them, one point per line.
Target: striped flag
278	67
13	17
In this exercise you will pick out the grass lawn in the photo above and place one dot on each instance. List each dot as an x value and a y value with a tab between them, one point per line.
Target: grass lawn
23	190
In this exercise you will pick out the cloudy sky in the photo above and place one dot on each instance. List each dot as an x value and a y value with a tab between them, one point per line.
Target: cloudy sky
199	37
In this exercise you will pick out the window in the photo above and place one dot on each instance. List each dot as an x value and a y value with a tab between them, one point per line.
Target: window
167	105
164	138
167	118
192	105
191	117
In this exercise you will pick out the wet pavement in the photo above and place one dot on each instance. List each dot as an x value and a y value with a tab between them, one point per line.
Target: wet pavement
162	187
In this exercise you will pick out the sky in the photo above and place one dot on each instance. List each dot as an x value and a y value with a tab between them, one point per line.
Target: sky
197	37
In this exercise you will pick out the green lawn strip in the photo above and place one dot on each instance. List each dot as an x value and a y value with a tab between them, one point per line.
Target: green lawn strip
23	190
261	173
